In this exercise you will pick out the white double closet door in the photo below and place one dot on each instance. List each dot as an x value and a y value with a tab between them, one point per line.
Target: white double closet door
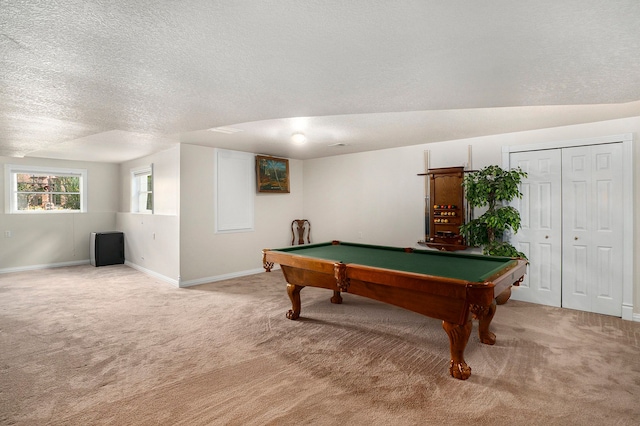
572	227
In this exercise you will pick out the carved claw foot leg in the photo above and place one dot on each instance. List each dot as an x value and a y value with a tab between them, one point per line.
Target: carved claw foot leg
459	370
458	338
267	265
337	299
294	294
485	317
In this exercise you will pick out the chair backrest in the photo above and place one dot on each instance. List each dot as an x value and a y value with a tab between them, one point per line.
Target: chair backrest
302	227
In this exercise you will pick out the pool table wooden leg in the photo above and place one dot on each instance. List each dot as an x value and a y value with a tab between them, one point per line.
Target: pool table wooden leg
294	294
504	296
485	316
337	298
458	338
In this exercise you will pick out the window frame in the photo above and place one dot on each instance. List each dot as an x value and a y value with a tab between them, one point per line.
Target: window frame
135	174
11	187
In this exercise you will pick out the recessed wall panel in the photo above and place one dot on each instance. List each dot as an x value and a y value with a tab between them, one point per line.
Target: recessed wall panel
578	163
525	247
544	205
580	270
604	261
524	206
580	209
524	165
604	209
545	267
544	165
603	161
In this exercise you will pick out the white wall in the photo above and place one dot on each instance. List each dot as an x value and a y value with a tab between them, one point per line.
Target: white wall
373	197
40	240
166	181
207	256
377	197
152	241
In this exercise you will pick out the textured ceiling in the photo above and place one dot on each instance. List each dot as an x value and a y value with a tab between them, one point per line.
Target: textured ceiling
115	80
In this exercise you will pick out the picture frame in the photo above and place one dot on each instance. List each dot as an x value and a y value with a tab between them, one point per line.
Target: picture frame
272	174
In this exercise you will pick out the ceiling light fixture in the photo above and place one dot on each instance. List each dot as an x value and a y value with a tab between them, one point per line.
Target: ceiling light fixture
299	138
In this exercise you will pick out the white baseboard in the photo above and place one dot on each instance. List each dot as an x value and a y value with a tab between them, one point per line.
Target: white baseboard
164	278
223	277
636	317
173	282
44	266
627	312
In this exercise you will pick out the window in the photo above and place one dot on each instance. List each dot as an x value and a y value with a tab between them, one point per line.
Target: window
142	190
34	189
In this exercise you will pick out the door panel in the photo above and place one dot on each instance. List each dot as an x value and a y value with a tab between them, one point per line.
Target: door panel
545	252
540	235
592	228
605	263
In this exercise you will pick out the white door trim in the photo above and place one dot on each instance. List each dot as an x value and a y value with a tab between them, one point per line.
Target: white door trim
627	146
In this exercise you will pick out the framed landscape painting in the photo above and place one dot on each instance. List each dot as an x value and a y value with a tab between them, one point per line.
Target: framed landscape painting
272	174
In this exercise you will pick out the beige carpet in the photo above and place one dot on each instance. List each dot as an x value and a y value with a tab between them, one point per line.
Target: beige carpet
110	345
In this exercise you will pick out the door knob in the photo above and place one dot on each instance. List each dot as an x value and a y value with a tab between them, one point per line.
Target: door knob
546	237
575	238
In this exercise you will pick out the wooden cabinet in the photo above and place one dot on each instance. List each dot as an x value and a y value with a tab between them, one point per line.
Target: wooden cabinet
446	209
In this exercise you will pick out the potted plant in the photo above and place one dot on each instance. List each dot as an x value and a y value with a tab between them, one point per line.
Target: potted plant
493	187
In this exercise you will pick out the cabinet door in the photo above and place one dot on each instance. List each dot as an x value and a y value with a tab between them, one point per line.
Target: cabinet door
540	237
592	224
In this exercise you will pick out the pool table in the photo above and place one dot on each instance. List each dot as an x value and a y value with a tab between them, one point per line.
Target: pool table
453	287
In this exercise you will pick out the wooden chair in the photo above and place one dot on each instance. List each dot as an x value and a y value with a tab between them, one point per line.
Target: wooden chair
302	226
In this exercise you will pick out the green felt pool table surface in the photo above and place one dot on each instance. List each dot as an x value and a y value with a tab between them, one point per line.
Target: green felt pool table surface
467	267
